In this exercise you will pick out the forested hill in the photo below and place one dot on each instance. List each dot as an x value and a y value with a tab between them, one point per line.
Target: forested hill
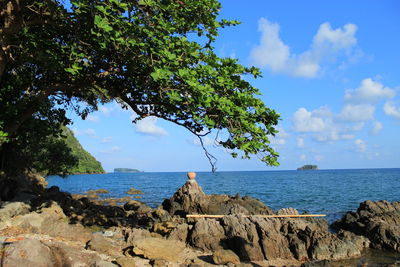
86	162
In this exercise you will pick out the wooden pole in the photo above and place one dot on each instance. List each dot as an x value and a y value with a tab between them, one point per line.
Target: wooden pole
262	216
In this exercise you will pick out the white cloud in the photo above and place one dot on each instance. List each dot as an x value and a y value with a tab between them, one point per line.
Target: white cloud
360	146
315	121
274	54
107	139
390	109
303	157
277	141
325	126
76	131
359	112
300	142
115	148
347	136
148	126
369	91
376	128
89	132
207	141
92	118
106	110
279	138
110	150
318	157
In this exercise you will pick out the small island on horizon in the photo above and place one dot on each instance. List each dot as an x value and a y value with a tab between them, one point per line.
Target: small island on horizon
126	170
308	167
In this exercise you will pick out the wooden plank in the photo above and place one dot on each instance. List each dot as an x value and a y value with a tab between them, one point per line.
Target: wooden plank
262	216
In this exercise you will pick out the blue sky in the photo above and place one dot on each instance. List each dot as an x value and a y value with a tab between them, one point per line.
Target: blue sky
330	68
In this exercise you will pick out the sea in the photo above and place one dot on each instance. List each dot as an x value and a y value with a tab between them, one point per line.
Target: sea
330	192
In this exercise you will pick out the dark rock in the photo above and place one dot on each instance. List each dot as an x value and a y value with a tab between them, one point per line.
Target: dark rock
323	263
8	189
190	198
378	221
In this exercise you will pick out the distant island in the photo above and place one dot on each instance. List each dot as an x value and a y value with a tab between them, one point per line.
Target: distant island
126	170
308	167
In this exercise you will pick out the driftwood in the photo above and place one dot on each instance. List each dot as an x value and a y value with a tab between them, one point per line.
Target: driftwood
263	216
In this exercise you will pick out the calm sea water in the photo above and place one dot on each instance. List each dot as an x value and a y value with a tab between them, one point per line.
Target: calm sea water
331	192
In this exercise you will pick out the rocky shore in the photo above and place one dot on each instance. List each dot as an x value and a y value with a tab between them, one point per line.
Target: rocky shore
46	227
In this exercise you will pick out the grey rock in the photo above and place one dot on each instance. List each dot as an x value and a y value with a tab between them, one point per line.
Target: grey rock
13	209
378	221
207	234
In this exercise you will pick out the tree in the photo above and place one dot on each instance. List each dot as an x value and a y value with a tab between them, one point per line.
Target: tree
156	57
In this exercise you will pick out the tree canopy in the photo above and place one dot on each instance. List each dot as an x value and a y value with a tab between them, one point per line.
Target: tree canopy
155	57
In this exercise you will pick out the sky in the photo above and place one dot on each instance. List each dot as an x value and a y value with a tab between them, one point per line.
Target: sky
330	69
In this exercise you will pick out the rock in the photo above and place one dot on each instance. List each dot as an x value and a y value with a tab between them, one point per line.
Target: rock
159	263
327	246
102	263
287	211
190	199
378	221
224	256
29	252
97	191
323	263
12	209
207	235
180	232
158	249
164	228
104	245
135	234
133	205
161	215
8	189
274	244
242	237
134	191
126	262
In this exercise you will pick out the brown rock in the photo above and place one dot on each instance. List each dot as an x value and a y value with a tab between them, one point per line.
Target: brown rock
207	234
224	256
242	237
158	249
29	252
104	245
180	232
126	262
164	228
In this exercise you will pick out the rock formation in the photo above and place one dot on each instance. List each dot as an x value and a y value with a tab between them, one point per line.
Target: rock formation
378	221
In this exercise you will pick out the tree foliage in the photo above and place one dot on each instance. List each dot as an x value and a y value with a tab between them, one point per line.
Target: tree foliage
156	57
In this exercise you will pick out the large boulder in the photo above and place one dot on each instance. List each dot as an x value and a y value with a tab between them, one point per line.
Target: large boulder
29	252
158	249
207	235
190	198
378	221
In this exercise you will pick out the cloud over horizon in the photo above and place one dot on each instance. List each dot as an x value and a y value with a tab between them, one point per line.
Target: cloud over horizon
327	45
